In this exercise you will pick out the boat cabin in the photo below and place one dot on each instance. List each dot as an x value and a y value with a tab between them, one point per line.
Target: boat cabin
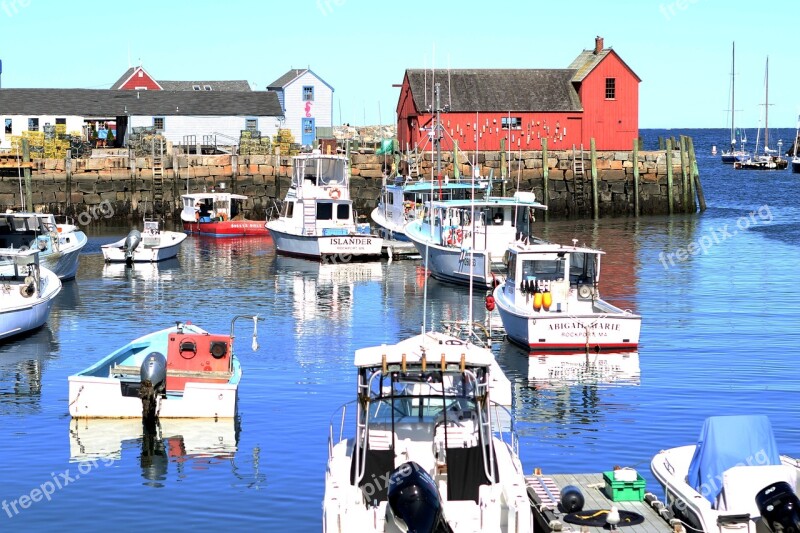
555	269
321	176
211	207
407	404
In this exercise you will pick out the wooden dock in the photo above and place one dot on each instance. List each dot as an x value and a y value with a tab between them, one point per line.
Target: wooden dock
399	250
544	493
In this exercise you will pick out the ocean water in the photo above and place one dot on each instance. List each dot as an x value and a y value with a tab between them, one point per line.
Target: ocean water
719	336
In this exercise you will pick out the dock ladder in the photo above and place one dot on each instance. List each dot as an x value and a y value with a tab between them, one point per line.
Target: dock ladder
578	174
158	169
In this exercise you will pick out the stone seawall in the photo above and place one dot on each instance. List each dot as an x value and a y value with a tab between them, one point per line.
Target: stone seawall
74	186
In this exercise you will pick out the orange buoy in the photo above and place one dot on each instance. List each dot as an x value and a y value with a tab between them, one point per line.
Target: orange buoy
489	302
537	301
547	300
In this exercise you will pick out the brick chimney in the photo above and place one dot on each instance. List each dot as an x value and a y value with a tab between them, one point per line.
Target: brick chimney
598	45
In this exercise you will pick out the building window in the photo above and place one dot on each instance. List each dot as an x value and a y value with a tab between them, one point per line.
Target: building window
140	88
33	124
308	93
196	87
207	87
158	123
343	212
61	121
515	123
8	126
251	124
611	88
308	128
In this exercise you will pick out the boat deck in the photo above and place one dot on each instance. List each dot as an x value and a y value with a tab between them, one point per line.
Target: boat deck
544	494
399	250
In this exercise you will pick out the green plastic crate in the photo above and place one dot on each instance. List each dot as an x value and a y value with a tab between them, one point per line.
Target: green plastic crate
624	491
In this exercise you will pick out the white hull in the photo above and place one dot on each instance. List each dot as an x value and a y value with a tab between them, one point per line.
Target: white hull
343	247
93	397
19	315
614	330
167	247
389	229
457	266
64	260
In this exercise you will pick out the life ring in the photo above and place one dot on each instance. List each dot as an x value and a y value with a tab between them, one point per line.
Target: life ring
454	237
335	193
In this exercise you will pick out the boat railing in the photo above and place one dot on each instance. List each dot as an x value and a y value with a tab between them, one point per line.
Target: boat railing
339	417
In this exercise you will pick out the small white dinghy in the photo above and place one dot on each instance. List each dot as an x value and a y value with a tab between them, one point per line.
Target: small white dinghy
150	246
27	292
733	479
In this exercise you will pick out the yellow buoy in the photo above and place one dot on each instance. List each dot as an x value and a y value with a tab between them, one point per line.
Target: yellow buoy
537	301
547	300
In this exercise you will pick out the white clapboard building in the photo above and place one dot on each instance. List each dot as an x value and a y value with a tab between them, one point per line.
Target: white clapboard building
307	104
174	113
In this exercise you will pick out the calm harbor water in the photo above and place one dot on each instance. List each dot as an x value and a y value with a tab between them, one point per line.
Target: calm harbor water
719	336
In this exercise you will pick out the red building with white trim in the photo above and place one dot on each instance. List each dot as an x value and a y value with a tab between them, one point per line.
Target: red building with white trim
597	96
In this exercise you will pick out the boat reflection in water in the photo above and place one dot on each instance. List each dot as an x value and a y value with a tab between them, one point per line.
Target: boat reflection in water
142	271
198	443
22	365
604	368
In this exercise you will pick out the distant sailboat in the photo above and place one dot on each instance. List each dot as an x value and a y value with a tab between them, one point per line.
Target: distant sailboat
733	155
771	159
795	156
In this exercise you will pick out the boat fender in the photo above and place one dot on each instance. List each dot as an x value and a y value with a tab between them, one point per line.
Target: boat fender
28	289
335	193
490	303
537	301
547	300
571	499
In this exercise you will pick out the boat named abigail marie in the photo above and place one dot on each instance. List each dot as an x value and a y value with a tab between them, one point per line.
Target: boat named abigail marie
733	479
549	301
427	454
150	246
464	240
26	292
317	220
193	374
218	213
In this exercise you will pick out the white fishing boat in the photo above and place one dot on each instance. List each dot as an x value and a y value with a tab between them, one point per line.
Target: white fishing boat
427	454
403	199
178	372
317	220
27	291
463	241
151	245
733	479
549	301
60	245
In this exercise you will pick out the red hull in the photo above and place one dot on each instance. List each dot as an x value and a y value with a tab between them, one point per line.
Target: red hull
580	348
227	228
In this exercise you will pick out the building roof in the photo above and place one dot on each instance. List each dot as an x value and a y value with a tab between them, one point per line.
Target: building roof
588	60
225	85
128	75
106	102
467	90
291	76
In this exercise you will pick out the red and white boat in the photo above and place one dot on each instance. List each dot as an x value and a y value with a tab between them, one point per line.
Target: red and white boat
219	214
549	301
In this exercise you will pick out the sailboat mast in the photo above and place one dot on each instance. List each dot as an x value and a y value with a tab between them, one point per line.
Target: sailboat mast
766	107
733	99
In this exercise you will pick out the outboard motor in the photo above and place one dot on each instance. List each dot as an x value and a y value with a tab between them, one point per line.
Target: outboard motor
779	507
414	500
153	373
131	243
154	370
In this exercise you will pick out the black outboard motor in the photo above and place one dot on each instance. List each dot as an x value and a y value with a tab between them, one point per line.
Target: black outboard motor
779	507
414	500
154	370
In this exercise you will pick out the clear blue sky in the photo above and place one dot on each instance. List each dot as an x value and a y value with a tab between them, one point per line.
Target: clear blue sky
681	49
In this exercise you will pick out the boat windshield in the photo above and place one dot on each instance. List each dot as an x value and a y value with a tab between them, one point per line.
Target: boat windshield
323	172
582	267
550	269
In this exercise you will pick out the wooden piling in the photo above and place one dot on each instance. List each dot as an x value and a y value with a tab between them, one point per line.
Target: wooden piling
670	195
660	142
635	158
701	199
685	173
26	158
593	156
503	159
545	176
